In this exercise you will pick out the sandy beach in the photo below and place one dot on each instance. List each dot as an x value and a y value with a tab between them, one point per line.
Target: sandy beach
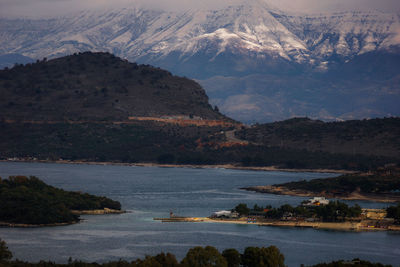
338	226
97	212
193	166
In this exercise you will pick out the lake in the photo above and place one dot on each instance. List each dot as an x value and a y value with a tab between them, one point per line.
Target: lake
148	192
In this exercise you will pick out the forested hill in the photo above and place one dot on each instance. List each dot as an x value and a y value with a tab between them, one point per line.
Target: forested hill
377	137
97	107
97	86
30	201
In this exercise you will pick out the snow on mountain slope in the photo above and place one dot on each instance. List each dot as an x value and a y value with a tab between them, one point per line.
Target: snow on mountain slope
241	29
345	34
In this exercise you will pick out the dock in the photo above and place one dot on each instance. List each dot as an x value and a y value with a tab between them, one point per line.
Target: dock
181	219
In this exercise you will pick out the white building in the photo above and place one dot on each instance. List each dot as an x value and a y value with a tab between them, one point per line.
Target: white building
224	214
316	201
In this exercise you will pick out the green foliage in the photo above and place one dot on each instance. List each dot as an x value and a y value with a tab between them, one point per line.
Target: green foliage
204	257
263	257
98	86
242	209
198	256
352	263
337	211
166	158
377	137
153	142
160	260
232	257
394	212
5	254
378	182
334	211
31	201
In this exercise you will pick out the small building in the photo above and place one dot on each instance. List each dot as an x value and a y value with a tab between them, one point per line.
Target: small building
225	214
316	201
288	216
257	214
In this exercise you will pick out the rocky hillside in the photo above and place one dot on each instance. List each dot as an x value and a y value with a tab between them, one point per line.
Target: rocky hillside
379	137
98	86
97	107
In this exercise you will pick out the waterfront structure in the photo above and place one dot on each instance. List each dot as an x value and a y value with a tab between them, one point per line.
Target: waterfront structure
316	201
224	214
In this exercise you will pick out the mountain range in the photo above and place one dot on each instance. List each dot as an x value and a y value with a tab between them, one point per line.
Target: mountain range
256	63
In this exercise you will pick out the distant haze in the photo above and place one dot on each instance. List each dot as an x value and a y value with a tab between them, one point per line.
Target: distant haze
49	8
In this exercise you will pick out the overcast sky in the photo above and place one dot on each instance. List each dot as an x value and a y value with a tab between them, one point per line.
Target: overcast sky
37	8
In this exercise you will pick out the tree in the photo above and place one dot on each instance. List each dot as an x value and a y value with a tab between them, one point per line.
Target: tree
167	260
250	257
204	257
272	257
166	158
242	209
394	212
232	256
263	257
5	254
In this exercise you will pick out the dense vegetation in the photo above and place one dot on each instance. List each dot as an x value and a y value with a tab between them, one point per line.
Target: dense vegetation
379	137
97	86
195	257
97	92
163	143
394	212
335	211
26	200
352	263
5	253
384	180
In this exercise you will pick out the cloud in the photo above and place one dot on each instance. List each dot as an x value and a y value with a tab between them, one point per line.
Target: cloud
336	5
60	7
35	8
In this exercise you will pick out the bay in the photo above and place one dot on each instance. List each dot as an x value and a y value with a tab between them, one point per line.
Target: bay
148	192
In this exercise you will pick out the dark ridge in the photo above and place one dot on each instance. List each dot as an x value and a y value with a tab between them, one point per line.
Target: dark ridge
374	137
30	201
98	86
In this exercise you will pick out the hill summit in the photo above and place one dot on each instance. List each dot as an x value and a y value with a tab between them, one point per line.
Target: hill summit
96	87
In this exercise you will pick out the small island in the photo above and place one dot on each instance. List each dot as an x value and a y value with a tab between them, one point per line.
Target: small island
381	185
29	202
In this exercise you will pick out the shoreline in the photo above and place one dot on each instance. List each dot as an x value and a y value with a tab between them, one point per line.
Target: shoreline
191	166
280	190
25	225
104	211
357	226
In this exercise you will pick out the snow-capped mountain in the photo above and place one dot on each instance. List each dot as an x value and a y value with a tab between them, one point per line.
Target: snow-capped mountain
235	41
251	28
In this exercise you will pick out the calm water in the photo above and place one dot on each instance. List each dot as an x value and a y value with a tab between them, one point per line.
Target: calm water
149	192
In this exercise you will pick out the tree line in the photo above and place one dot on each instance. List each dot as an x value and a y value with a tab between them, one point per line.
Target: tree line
196	257
335	211
28	200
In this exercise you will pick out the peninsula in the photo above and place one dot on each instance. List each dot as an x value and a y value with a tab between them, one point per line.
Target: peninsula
381	185
29	202
333	215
